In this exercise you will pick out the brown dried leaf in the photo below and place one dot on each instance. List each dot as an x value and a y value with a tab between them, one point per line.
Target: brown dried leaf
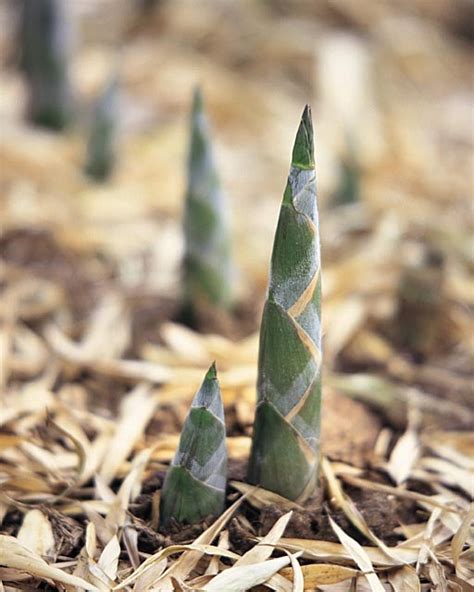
319	574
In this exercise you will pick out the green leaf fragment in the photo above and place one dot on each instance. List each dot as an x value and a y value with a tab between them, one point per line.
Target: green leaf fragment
194	486
285	446
207	260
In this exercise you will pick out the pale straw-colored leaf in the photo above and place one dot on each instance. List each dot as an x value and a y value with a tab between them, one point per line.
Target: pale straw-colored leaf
360	557
188	344
328	551
201	549
239	579
259	497
298	577
145	581
16	556
108	560
402	493
263	550
404	579
425	550
136	410
193	553
448	473
404	456
213	567
36	533
129	370
461	536
130	540
350	510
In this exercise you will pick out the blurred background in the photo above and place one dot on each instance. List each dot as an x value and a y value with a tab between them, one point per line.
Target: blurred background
390	85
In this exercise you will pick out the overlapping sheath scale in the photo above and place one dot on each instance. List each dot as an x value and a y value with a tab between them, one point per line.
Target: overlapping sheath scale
195	483
285	446
207	264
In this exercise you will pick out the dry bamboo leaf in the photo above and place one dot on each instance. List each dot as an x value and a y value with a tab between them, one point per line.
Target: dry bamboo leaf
404	579
327	551
450	474
189	345
145	581
351	511
461	536
239	579
130	370
437	575
319	574
213	567
350	314
9	440
465	570
298	577
109	558
278	583
117	516
263	550
413	495
109	316
359	556
404	456
259	498
90	544
32	397
425	551
130	540
104	530
193	553
136	410
189	559
96	453
36	534
201	549
454	456
16	556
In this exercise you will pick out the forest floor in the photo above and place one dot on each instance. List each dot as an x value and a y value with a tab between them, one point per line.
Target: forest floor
98	371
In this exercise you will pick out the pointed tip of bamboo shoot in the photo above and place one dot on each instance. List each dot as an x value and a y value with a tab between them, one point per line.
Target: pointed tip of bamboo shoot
303	149
209	394
212	372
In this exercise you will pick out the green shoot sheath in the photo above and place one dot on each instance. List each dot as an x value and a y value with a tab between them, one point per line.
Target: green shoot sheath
195	483
207	261
285	447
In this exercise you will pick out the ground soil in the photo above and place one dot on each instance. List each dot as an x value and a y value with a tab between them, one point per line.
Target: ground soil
349	429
